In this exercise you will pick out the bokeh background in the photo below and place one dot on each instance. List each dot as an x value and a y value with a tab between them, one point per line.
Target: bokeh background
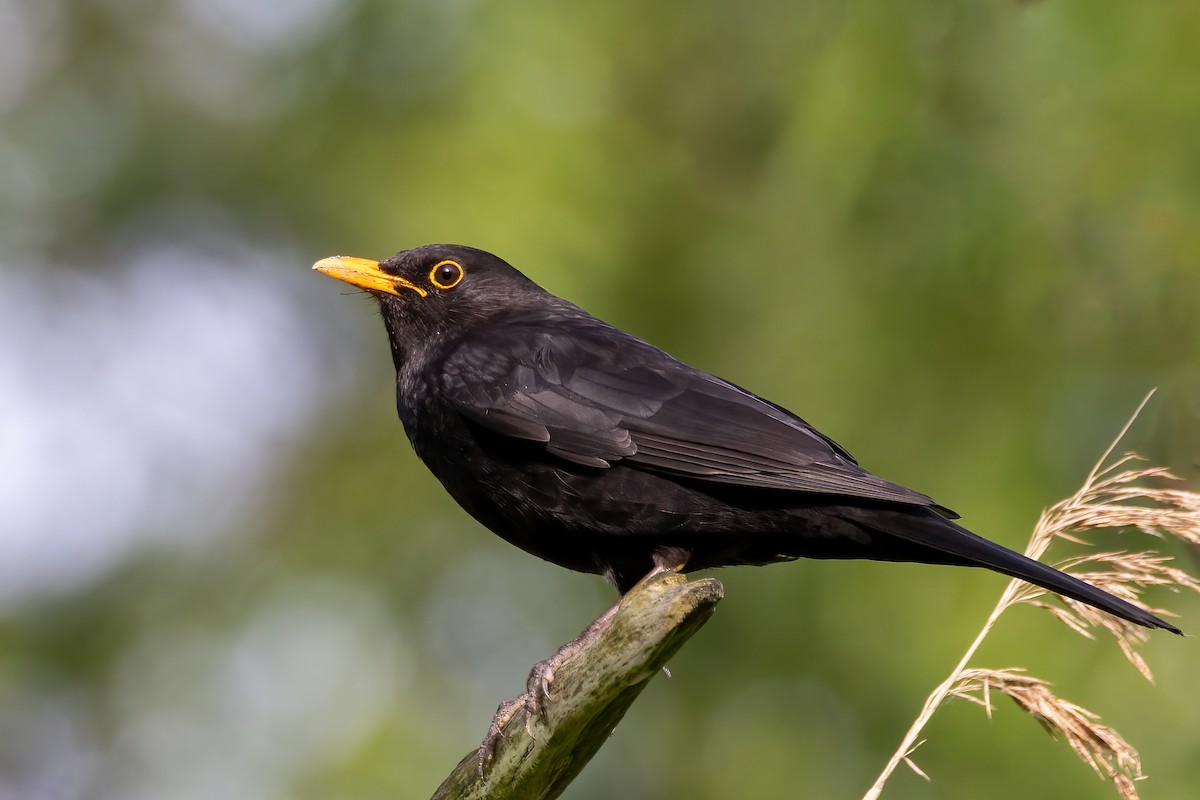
964	241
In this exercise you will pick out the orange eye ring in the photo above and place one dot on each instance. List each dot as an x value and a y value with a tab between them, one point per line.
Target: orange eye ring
446	274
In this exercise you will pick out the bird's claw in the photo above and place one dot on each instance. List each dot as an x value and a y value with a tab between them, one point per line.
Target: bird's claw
537	688
537	693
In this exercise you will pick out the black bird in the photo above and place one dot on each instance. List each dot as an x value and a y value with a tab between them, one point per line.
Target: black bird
595	450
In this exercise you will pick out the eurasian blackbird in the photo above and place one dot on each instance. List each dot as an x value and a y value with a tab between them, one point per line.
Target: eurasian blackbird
592	449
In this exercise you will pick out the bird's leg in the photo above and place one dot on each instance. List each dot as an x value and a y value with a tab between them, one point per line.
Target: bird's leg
537	686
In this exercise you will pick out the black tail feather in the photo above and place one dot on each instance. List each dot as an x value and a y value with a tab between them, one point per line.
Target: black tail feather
937	533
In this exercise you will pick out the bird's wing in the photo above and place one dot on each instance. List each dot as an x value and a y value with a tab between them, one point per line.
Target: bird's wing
594	395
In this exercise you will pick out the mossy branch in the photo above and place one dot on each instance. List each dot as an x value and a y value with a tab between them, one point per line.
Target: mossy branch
539	756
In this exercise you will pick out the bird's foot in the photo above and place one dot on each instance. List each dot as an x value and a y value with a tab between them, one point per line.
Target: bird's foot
487	748
537	686
537	691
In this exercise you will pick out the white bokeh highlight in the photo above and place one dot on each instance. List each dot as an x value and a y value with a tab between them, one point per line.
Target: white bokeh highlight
149	403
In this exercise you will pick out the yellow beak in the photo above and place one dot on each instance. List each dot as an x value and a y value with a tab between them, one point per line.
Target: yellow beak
365	274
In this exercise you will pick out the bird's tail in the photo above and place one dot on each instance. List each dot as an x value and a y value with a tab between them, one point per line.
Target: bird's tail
958	545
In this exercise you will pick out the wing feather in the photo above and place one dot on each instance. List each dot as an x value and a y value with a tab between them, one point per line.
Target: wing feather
595	396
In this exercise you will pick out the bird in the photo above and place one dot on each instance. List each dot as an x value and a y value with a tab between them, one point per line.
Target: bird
595	450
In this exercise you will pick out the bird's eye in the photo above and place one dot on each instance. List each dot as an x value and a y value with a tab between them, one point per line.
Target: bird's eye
446	274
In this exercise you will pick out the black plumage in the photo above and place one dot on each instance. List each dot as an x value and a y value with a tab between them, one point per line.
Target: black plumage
591	448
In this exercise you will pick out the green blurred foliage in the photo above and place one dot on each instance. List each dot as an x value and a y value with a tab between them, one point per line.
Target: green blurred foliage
962	240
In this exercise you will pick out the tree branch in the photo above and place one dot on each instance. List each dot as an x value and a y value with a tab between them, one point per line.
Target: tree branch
539	757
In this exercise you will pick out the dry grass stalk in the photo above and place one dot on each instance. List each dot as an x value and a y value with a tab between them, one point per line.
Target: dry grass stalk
1114	497
1099	746
1113	500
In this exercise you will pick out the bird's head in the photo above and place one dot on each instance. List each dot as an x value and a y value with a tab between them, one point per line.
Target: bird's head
429	292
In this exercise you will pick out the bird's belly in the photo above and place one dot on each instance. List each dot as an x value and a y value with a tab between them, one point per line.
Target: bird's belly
612	521
578	520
